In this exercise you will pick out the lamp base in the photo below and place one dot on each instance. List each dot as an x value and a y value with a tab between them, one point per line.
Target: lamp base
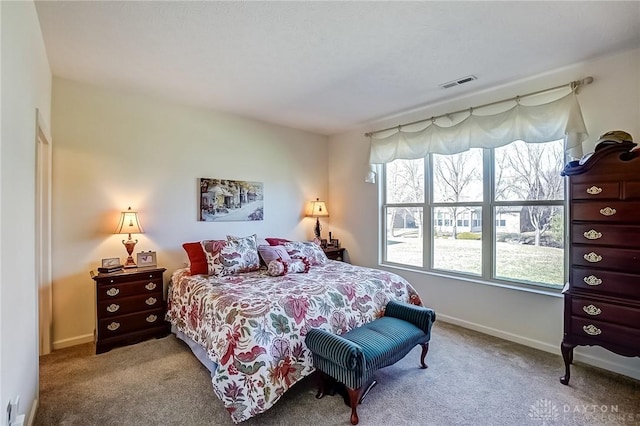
130	263
130	245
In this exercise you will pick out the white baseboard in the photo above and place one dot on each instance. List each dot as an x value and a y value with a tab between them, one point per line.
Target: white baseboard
595	361
78	340
532	343
606	364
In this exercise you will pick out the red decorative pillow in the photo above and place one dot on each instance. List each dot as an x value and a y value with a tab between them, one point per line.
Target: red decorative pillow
276	241
197	258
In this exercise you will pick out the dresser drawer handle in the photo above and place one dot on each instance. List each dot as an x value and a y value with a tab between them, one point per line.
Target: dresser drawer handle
150	286
607	211
113	307
151	301
592	257
113	326
591	329
591	310
592	280
594	190
152	318
113	291
592	235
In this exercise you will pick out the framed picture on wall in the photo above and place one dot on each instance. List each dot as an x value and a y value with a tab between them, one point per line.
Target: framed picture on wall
224	200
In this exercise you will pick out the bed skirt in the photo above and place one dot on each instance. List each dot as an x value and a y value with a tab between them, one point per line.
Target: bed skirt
197	350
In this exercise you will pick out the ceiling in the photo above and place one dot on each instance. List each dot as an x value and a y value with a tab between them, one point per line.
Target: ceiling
324	67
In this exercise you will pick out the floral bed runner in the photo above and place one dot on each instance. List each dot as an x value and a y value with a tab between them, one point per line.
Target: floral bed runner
253	325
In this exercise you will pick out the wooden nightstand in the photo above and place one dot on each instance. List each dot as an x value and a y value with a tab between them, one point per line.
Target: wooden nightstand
334	253
130	307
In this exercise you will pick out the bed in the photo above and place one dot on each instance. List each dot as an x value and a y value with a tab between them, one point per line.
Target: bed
250	327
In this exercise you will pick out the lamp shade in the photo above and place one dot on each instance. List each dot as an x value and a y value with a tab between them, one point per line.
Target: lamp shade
318	209
129	223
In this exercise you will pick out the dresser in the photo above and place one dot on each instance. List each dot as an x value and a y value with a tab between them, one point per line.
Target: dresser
130	307
602	297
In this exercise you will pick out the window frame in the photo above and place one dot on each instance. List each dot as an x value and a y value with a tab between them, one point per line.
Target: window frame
489	227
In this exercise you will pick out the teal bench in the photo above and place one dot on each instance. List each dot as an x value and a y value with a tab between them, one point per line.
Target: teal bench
354	357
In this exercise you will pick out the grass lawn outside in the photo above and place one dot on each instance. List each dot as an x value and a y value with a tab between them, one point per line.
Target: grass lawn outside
515	262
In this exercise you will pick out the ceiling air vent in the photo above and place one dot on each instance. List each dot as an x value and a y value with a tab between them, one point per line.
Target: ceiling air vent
458	81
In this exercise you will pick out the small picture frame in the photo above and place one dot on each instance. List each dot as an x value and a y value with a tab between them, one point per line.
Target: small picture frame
146	259
334	243
111	262
323	243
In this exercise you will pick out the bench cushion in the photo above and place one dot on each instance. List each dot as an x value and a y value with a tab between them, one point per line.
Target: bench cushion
385	341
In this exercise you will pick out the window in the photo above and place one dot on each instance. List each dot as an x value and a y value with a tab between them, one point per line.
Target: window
434	210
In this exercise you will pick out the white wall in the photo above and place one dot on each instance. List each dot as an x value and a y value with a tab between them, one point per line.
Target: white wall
611	102
26	85
114	150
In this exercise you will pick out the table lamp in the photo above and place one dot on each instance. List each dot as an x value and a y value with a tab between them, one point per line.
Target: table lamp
129	224
318	209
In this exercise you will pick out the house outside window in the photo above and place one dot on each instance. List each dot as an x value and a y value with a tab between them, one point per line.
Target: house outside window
495	214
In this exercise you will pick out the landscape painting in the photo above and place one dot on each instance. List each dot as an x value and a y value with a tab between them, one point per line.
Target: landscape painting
224	200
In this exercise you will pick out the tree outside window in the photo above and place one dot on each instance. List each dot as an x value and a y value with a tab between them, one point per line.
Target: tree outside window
514	194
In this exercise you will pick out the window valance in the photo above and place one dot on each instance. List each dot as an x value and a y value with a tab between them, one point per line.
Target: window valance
558	119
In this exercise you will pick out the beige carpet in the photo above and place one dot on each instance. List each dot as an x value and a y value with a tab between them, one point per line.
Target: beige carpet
472	379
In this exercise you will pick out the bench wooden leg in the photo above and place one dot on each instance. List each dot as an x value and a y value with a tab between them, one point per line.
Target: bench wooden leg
354	400
356	396
326	385
425	349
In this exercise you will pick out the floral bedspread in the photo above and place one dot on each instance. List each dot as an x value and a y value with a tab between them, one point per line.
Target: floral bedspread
253	325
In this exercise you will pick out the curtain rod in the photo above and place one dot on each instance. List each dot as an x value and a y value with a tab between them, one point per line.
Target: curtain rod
575	85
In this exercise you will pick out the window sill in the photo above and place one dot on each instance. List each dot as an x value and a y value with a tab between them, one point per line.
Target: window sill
515	286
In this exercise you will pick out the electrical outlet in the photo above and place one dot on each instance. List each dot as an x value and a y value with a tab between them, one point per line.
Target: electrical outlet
12	410
10	414
15	406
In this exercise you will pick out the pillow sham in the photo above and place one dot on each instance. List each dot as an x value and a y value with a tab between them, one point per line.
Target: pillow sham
239	254
276	241
313	252
212	249
269	253
197	258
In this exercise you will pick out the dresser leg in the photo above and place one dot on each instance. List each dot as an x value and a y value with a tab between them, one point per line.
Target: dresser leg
567	356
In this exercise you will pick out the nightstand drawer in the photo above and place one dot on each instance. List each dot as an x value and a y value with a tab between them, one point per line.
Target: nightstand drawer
119	325
127	305
334	253
129	275
118	290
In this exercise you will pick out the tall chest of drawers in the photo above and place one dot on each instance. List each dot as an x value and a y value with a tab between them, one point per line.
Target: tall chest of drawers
130	307
602	298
